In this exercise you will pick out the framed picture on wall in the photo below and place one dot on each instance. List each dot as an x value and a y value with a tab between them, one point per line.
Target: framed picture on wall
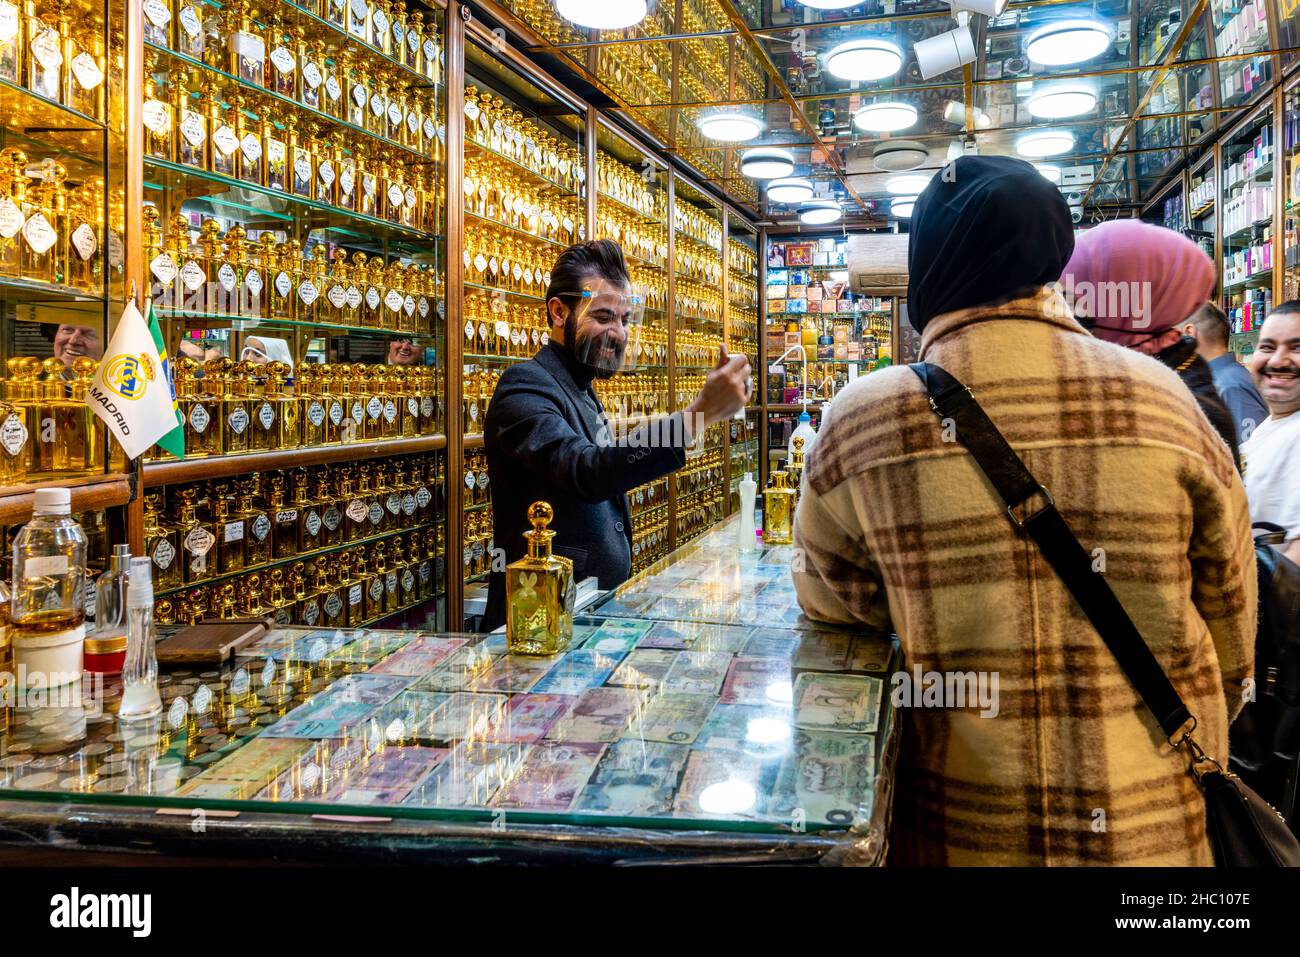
799	254
775	256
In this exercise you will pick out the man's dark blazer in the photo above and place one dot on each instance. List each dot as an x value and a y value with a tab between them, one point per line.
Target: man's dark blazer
547	440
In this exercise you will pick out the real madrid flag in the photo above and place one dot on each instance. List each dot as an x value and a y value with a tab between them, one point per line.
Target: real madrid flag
132	391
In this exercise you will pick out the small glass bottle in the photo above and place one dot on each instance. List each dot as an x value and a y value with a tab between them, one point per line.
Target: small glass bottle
12	42
48	608
327	503
219	373
540	592
284	521
106	644
231	531
45	49
287	434
160	546
196	540
778	511
140	697
257	525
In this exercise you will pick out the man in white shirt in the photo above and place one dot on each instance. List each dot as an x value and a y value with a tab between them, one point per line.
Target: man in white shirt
1272	453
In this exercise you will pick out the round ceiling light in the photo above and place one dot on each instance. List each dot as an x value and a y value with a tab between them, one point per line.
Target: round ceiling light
1057	103
903	206
865	59
766	162
791	190
908	185
819	212
885	117
1062	42
730	127
603	14
1046	143
1050	172
895	156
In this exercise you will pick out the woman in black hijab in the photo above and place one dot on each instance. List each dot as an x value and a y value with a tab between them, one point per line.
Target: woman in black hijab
988	228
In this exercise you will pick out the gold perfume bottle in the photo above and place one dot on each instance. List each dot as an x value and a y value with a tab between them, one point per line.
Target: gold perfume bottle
246	46
84	56
12	41
263	409
40	259
13	201
157	115
778	511
301	168
195	410
229	531
287	432
45	48
225	125
284	521
275	153
356	509
331	515
540	592
196	539
15	450
85	238
332	596
71	438
230	408
281	64
160	546
795	469
257	526
192	124
310	522
306	388
190	33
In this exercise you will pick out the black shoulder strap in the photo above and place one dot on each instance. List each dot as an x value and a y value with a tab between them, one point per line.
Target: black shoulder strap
1044	524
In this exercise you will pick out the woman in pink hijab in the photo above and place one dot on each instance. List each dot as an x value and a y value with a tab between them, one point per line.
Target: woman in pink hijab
1135	284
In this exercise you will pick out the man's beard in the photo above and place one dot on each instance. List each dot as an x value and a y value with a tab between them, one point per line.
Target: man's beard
587	353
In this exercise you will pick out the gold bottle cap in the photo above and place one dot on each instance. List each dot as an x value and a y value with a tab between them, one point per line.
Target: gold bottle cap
540	515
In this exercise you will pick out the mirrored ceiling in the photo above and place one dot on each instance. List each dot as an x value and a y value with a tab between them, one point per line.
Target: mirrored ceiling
1109	96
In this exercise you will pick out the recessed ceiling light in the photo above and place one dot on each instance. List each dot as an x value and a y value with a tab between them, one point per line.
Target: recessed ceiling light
865	59
603	14
1052	173
766	162
908	185
1046	143
794	189
819	212
894	156
1061	42
730	127
885	117
902	207
1055	103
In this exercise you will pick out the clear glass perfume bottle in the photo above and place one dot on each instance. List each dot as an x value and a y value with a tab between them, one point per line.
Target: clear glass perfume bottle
540	592
140	697
12	41
45	48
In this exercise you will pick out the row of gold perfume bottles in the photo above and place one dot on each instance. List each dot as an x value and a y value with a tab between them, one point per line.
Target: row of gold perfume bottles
743	261
476	478
56	50
498	259
492	123
46	428
232	275
640	239
699	225
50	231
478	543
254	139
292	49
347	589
650	283
497	326
698	300
628	396
632	187
648	505
231	407
231	526
638	72
501	192
477	389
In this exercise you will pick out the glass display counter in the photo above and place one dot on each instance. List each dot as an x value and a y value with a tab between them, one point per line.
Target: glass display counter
652	737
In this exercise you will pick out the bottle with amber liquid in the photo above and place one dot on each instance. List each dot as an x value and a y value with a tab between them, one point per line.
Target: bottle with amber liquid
12	41
275	153
287	433
13	201
327	504
284	521
191	36
202	431
335	407
257	525
225	126
157	114
540	592
47	607
301	166
160	546
45	48
196	539
230	408
331	595
281	64
312	284
285	275
41	257
372	573
15	446
78	435
246	46
778	511
356	510
230	531
263	429
85	230
84	57
192	147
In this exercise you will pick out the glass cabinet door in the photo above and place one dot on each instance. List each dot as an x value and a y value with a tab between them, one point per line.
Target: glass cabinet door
1247	205
742	339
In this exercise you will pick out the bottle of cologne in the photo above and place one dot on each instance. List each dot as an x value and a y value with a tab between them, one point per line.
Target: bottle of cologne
301	165
140	697
263	409
372	573
257	525
282	605
540	592
160	546
226	126
192	122
231	532
196	540
795	469
40	259
357	510
284	521
85	230
331	515
45	48
331	596
246	46
287	435
230	410
85	63
15	447
778	511
157	114
310	524
48	608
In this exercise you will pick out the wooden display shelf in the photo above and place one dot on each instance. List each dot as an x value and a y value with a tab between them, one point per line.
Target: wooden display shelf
473	440
88	494
157	474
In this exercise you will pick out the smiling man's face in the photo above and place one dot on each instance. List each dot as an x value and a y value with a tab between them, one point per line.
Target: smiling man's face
1275	363
71	342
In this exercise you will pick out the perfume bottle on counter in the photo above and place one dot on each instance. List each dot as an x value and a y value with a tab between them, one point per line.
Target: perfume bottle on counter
48	608
778	511
540	591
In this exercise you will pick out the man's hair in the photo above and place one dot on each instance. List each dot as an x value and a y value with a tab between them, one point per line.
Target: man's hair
601	258
1288	307
1211	324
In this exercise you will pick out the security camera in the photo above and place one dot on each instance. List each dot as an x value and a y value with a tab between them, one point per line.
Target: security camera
1076	214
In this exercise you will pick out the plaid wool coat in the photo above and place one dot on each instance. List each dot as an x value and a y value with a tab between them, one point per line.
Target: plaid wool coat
900	529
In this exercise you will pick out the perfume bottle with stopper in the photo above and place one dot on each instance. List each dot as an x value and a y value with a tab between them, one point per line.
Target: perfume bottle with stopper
229	410
84	59
140	697
46	26
105	649
12	41
284	521
352	588
310	523
778	511
246	46
287	433
160	546
257	525
48	608
540	592
795	469
42	253
329	593
196	540
331	515
190	34
192	145
85	238
275	153
15	445
202	431
371	570
156	115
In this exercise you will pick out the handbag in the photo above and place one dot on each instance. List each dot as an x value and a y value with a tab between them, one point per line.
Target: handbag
1244	831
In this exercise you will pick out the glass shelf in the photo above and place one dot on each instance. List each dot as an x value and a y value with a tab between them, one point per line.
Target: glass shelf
314	215
527	296
299	557
23	109
31	291
629	209
222	320
413	77
479	357
413	155
473	148
1260	279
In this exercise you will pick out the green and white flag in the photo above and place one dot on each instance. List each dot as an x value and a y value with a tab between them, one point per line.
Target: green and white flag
132	389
